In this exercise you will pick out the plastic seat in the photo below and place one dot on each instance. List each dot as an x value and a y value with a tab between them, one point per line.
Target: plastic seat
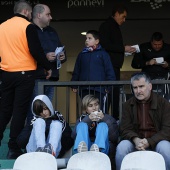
143	160
89	160
35	161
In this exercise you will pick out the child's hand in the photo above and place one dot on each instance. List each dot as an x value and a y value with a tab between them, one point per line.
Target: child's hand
93	116
106	90
100	115
74	90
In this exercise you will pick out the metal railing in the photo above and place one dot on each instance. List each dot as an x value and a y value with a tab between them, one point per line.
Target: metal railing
124	87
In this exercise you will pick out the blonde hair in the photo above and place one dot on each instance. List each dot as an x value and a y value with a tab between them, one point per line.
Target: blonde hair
87	100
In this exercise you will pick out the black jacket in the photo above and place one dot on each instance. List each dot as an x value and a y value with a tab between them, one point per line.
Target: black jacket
147	53
49	41
112	41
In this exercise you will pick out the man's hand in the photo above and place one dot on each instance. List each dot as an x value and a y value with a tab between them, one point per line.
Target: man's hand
49	73
144	143
136	140
165	65
151	62
62	56
51	56
138	144
141	144
130	49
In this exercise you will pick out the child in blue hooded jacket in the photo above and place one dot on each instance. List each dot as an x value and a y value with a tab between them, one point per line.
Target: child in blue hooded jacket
93	64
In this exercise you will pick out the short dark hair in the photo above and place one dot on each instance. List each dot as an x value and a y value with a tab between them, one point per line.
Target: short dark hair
138	76
38	107
95	34
120	8
20	5
157	36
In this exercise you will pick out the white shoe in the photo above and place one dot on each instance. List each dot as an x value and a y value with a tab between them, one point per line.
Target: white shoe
94	147
82	147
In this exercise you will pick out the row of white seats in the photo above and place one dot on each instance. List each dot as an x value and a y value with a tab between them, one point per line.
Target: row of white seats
140	160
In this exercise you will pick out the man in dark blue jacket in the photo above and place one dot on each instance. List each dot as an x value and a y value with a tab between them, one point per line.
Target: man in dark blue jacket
49	41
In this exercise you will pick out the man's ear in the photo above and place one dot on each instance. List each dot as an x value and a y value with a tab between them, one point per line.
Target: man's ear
25	12
38	15
117	14
150	86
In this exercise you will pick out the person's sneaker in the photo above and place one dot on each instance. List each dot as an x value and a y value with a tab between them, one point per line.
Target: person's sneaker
39	149
48	149
82	147
94	147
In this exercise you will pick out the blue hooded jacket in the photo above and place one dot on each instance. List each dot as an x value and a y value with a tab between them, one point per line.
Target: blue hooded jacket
93	66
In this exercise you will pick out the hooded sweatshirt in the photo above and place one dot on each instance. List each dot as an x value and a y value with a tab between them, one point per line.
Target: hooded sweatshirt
66	140
55	115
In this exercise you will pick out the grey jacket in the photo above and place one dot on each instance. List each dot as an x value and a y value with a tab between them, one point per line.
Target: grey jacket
159	112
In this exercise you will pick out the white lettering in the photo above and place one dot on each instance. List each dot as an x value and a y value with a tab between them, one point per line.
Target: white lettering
93	3
85	3
157	1
69	4
76	3
100	3
155	4
82	3
4	3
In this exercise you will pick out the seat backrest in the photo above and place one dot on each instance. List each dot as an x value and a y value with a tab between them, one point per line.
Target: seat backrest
89	160
143	160
36	161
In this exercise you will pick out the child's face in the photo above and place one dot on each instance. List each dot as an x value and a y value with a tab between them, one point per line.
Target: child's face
45	113
91	41
92	107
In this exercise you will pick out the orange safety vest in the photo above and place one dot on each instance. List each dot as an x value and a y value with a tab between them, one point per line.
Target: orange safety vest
14	51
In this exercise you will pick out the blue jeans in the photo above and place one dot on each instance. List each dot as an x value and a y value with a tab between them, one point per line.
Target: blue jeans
125	147
101	139
48	91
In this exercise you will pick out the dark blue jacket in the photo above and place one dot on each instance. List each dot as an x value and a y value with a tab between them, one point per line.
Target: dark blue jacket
49	41
93	66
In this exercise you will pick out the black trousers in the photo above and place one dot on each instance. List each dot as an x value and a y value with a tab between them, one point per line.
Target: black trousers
17	88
